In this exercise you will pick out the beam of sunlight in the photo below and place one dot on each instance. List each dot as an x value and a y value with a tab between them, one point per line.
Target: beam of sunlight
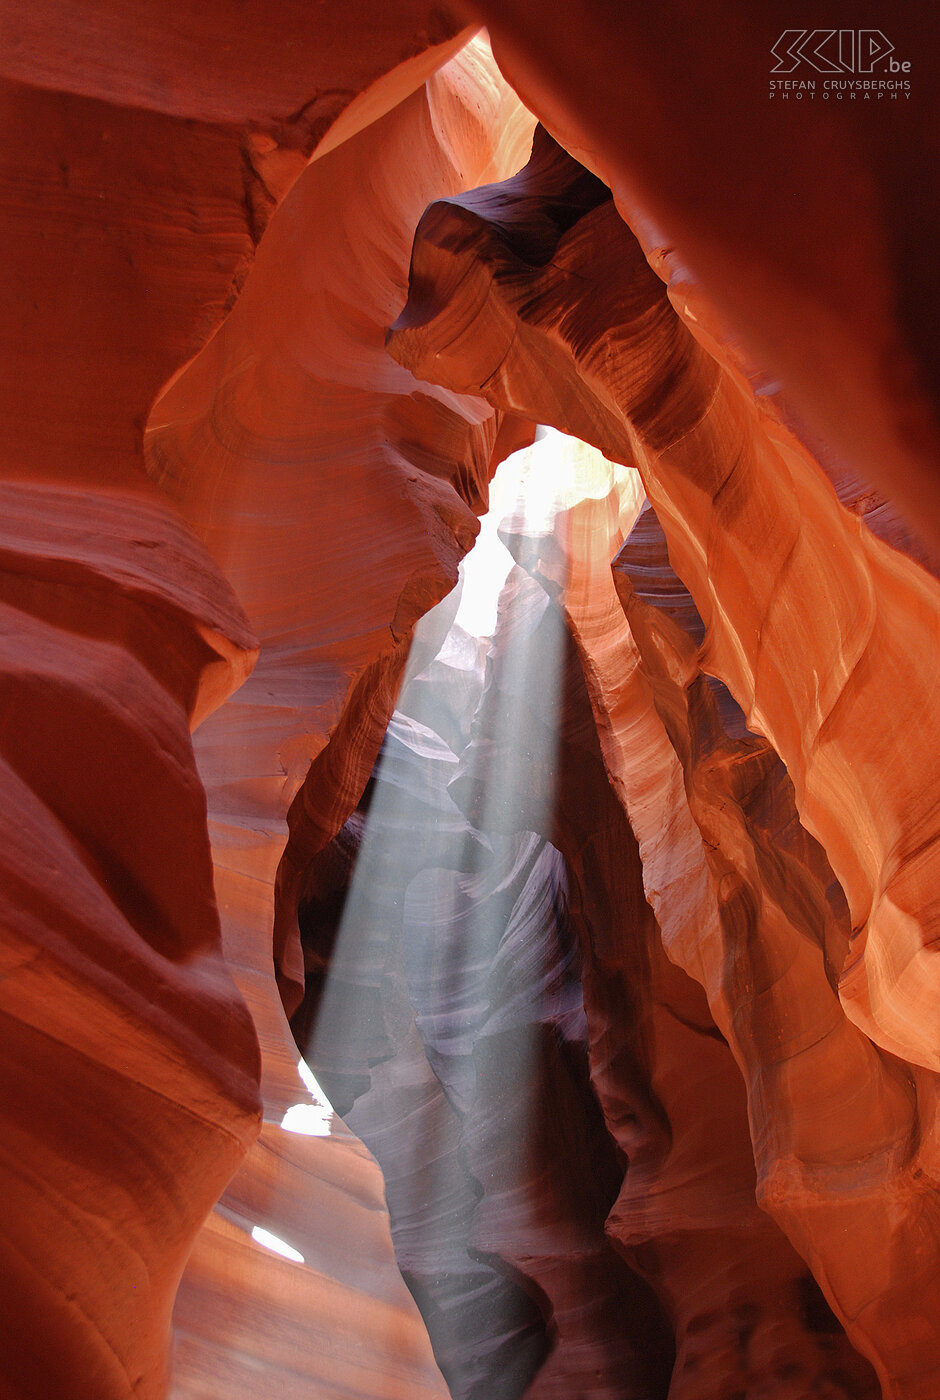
276	1245
449	937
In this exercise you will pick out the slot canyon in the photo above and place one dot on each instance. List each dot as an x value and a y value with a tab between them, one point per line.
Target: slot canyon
470	633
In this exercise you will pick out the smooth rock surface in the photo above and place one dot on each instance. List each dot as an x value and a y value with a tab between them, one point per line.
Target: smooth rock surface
815	625
137	178
807	222
406	952
640	1022
296	449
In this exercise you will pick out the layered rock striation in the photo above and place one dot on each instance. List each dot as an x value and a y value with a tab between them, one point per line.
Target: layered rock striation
622	957
295	448
564	321
406	1018
444	1015
804	216
137	179
502	302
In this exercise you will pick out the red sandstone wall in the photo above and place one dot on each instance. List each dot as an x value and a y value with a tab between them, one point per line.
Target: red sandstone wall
141	163
300	467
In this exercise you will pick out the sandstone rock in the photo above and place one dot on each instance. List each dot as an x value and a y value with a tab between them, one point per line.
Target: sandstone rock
754	530
130	1062
138	175
295	448
821	1098
753	197
218	214
443	1012
415	1016
686	1209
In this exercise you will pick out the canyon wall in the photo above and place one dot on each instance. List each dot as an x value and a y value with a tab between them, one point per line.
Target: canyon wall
138	179
807	220
296	448
633	1002
536	294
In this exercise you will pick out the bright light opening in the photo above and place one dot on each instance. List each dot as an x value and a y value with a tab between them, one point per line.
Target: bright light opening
276	1245
309	1119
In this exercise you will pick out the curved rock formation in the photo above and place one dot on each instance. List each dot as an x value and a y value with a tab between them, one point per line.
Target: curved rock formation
744	1308
443	1013
133	202
295	448
130	1064
220	212
746	904
339	1317
822	1099
129	1074
730	487
298	378
753	195
282	71
558	316
740	1298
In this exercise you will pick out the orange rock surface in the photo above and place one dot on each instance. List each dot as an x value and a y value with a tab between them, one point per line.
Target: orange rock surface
295	447
768	556
741	895
225	506
579	333
806	221
134	196
737	1293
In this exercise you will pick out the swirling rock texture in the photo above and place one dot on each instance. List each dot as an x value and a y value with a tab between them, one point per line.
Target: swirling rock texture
138	175
130	1063
739	499
219	215
783	930
293	414
129	1088
407	1021
746	1314
725	478
808	222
